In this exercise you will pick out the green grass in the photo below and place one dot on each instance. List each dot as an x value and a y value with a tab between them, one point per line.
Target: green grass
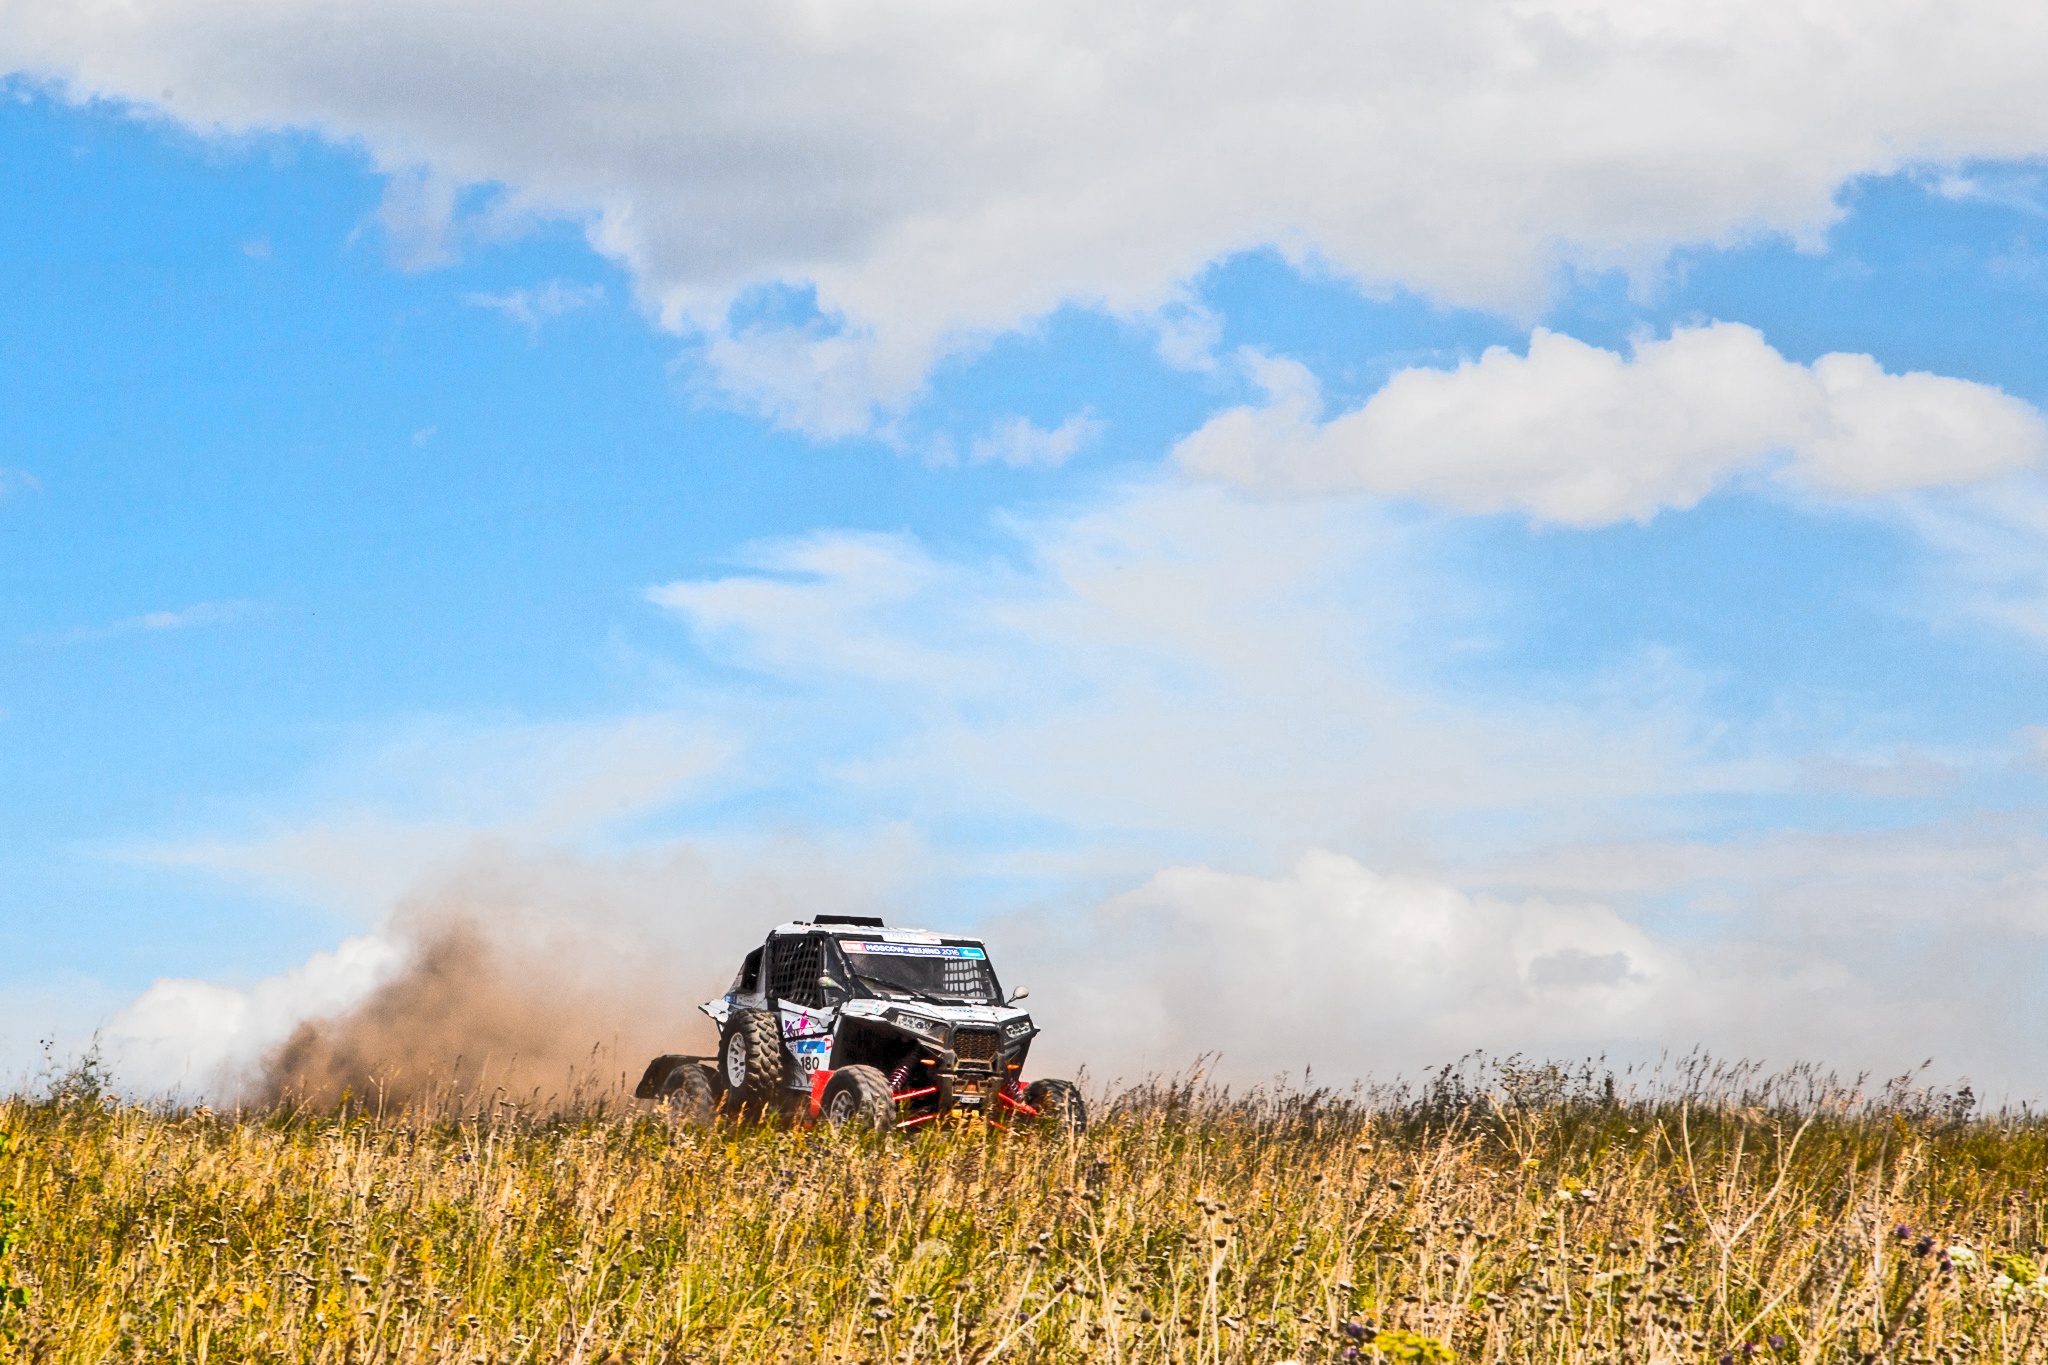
1531	1217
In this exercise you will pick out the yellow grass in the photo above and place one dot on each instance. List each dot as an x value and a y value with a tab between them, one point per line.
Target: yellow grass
1550	1225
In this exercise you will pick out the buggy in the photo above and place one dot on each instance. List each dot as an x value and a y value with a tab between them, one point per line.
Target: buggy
845	1021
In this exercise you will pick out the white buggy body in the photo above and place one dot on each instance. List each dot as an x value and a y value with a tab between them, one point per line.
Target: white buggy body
843	1017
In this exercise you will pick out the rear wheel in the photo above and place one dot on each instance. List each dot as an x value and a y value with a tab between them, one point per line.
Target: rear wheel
1059	1106
750	1060
688	1092
859	1097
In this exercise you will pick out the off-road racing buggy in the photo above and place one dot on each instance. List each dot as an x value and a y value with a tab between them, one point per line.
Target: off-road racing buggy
847	1021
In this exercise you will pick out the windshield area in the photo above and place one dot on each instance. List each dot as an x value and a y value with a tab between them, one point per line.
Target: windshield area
943	973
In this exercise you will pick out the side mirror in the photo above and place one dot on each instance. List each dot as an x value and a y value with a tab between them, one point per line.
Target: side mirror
826	983
1019	994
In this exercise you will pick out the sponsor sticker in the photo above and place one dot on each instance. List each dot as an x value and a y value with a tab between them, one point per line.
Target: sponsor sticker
912	950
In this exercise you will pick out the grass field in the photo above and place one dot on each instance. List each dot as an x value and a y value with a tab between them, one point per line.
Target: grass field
1522	1214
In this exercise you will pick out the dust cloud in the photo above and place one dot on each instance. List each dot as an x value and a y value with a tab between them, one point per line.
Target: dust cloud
466	1015
542	983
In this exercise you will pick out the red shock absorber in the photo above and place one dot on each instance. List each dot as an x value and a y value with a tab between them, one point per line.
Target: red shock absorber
899	1076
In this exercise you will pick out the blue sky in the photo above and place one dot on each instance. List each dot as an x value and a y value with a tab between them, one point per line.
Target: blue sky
389	491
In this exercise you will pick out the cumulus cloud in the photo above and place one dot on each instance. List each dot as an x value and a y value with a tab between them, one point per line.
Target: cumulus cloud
938	173
1576	434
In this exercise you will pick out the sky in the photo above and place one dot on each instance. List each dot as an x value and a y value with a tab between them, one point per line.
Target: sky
1338	536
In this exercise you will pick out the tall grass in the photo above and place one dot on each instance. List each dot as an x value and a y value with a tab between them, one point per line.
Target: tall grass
1500	1213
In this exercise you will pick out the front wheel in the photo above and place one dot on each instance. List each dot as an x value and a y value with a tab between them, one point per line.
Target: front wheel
1059	1106
859	1097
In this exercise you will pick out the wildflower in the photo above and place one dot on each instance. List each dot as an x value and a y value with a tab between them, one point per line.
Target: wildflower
1962	1255
1355	1329
1776	1343
1923	1246
1902	1232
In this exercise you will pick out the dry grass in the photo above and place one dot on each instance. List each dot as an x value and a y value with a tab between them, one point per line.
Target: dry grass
1516	1215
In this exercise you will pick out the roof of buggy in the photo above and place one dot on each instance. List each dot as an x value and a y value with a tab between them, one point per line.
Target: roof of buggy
896	931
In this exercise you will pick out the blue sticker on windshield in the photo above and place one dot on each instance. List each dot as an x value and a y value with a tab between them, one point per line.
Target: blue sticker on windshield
911	949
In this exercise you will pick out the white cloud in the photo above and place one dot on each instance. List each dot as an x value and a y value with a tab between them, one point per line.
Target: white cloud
423	799
418	218
532	307
160	622
1340	968
188	1037
941	173
2022	190
1989	554
203	614
1350	971
1182	666
16	480
1575	434
1017	442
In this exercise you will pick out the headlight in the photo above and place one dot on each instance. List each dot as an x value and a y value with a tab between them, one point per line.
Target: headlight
917	1023
1016	1029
